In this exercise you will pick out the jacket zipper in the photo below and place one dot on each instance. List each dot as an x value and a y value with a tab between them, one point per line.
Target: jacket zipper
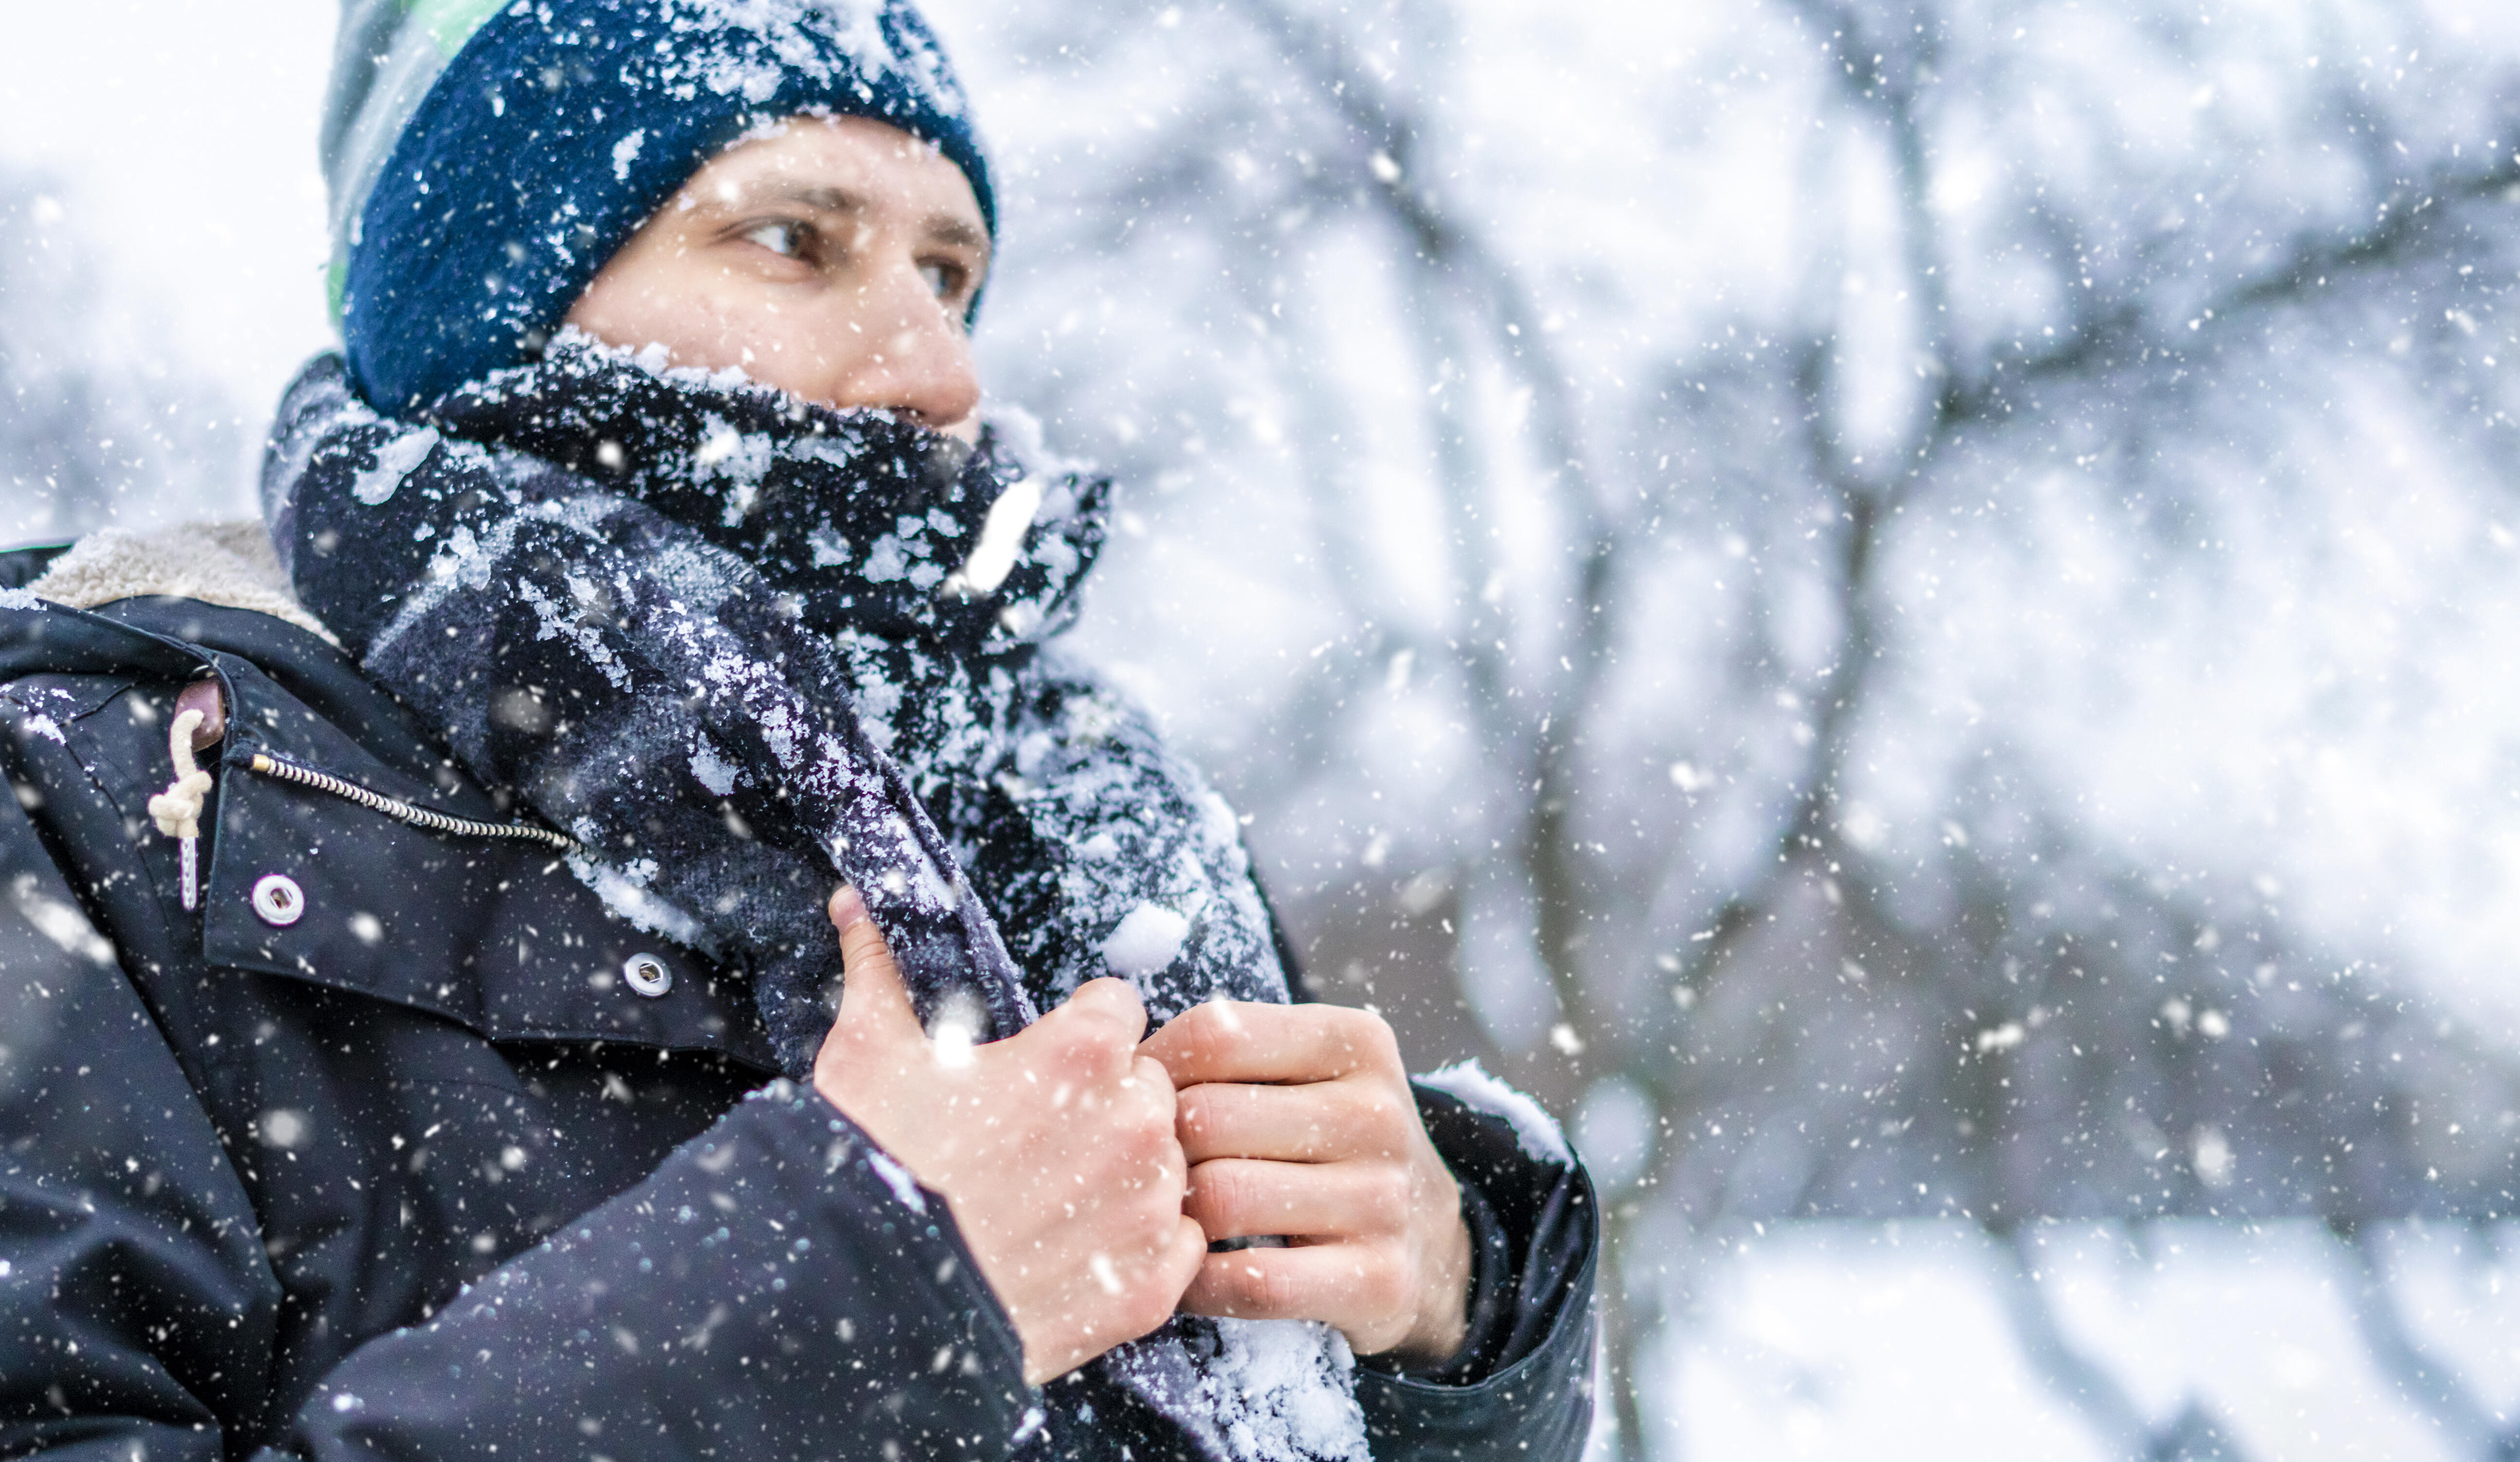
394	807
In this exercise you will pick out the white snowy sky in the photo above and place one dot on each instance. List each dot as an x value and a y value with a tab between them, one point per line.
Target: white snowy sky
183	135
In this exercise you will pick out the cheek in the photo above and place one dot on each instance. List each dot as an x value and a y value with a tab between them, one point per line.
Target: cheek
701	317
709	323
797	340
801	343
632	307
798	328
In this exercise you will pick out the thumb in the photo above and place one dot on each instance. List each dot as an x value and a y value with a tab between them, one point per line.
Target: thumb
873	998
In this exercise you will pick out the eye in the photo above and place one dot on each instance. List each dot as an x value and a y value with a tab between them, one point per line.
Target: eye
785	238
945	281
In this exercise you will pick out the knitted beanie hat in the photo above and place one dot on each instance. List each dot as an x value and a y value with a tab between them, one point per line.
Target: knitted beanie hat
486	157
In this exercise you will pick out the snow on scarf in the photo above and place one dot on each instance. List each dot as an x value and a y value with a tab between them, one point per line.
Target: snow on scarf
739	647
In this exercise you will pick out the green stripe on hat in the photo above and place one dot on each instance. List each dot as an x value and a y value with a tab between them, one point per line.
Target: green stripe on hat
386	55
450	23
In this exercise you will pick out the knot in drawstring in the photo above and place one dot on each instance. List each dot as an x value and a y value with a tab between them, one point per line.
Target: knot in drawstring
178	808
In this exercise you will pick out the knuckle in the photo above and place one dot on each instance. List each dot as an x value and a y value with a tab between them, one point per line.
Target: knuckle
1205	1293
1110	1057
1152	1177
1149	1305
863	942
1194	1110
1242	1287
1157	1084
1234	1280
1114	999
1086	1047
1362	1108
1278	1290
1143	1127
1212	1031
1222	1193
1063	1030
1393	1119
1384	1285
1243	1282
1388	1191
1145	1225
1371	1037
1161	1173
1144	1296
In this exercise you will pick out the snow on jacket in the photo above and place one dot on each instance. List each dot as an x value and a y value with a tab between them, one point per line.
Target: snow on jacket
401	1142
741	644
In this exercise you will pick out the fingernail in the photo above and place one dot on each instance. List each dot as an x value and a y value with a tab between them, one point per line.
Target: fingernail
848	908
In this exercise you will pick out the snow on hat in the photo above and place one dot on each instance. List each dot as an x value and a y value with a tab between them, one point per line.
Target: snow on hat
485	158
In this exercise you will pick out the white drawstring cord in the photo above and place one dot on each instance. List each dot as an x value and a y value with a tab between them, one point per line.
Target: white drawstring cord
178	809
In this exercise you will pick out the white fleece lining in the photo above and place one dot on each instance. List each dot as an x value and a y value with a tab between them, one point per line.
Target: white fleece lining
226	564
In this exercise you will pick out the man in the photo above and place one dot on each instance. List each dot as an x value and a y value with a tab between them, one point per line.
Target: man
669	576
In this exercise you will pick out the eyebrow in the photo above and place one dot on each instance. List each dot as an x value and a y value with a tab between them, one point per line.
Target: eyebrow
948	229
826	199
944	228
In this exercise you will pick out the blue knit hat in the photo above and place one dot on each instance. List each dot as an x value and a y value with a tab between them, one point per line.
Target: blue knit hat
487	158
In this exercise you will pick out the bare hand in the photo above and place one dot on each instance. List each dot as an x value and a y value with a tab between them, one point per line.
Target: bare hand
1297	1121
1054	1148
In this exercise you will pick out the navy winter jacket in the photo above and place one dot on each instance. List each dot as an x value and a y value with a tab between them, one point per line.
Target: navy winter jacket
402	1145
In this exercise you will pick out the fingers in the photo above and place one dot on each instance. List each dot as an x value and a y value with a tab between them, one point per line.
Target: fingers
1231	1041
1321	1121
1153	1295
1238	1198
1093	1037
1165	1246
871	994
1157	1117
1108	1001
1180	1263
1327	1282
1148	1076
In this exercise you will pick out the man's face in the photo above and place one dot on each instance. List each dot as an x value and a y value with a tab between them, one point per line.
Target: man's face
835	260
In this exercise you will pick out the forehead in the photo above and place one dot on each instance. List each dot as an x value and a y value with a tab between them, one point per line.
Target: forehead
872	165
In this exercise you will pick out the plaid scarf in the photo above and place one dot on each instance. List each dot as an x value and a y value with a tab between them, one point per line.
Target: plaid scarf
741	647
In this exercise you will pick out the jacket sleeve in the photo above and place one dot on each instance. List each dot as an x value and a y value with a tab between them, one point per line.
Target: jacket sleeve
776	1286
1521	1386
779	1288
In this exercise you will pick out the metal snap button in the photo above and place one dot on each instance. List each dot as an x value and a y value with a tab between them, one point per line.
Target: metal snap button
648	975
278	900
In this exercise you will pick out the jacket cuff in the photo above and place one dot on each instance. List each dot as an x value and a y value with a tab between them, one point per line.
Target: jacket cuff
779	1266
1488	1308
1521	1386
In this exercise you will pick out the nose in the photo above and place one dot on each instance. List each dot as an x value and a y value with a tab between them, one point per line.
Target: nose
909	356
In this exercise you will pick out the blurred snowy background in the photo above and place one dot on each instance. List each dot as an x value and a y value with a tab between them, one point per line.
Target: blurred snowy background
1906	610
